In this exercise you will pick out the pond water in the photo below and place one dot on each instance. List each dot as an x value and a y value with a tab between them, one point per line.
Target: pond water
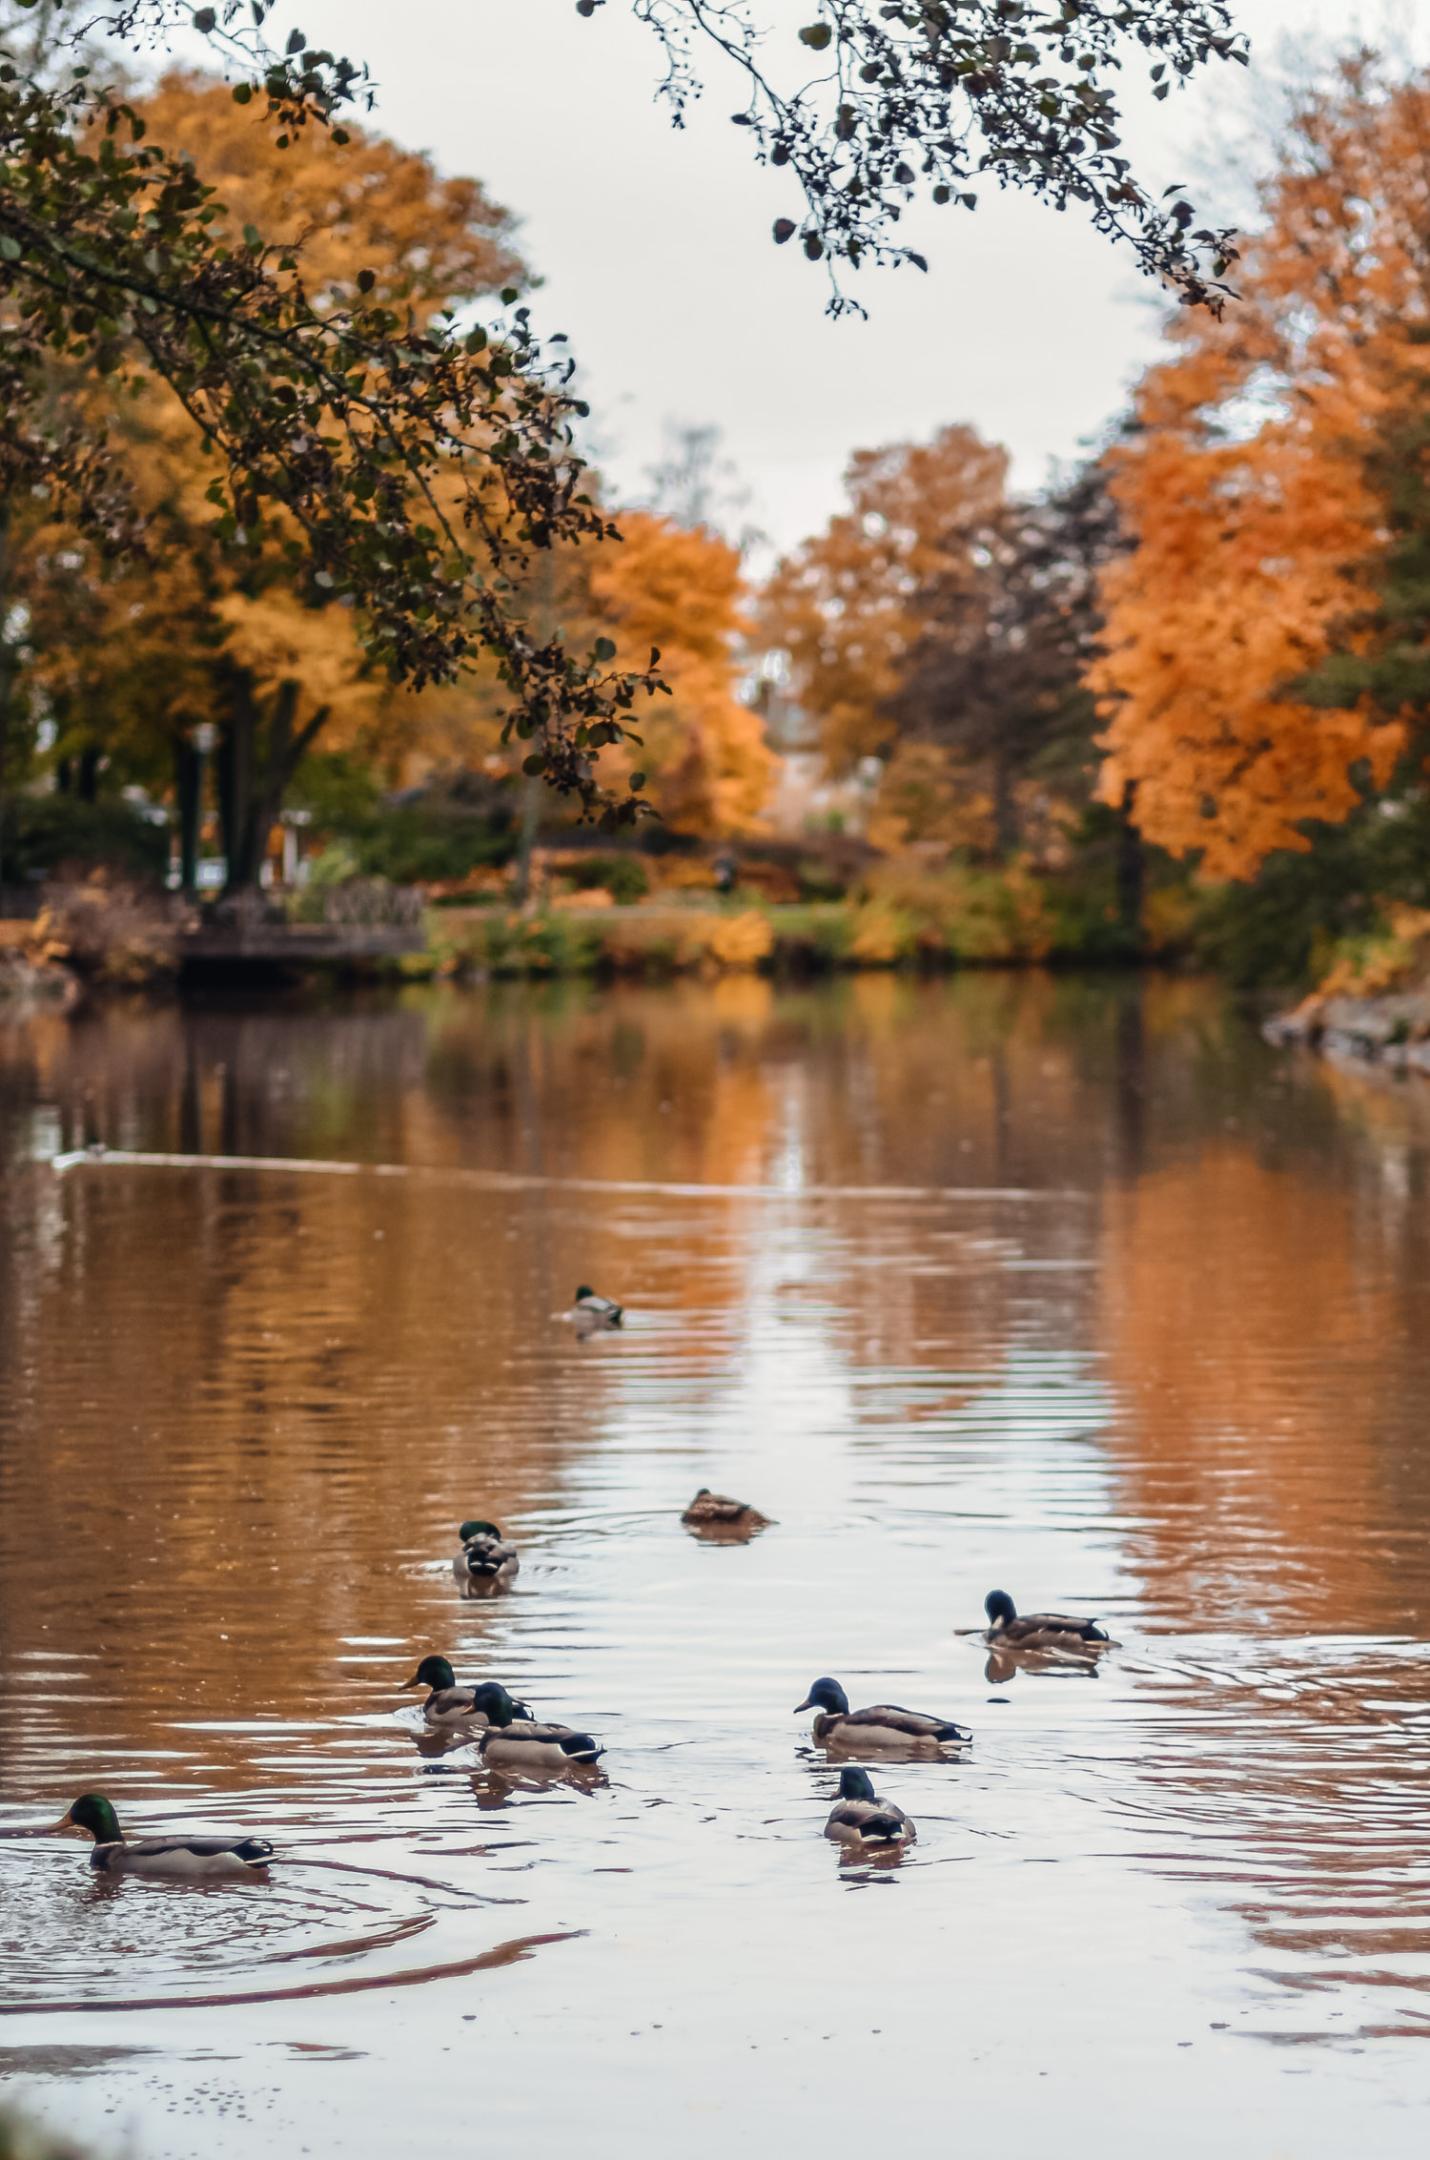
1070	1287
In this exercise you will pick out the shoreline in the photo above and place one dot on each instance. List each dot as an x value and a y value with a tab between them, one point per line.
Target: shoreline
1390	1031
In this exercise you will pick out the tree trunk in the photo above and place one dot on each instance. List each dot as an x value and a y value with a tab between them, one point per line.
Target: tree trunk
232	768
87	774
531	793
1131	869
8	669
1005	808
255	773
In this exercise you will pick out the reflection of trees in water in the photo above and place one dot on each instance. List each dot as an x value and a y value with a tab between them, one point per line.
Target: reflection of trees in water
1268	1335
307	1382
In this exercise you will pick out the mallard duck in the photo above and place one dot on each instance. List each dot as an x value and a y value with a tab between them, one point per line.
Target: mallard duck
591	1312
860	1818
449	1707
1042	1630
192	1859
713	1511
885	1727
487	1561
512	1740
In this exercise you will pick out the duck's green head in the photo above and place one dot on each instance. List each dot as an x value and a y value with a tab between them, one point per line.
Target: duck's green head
999	1608
433	1673
825	1695
496	1705
92	1812
583	1291
856	1785
470	1530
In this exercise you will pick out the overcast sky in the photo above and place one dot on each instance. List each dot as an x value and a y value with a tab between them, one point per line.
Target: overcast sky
655	252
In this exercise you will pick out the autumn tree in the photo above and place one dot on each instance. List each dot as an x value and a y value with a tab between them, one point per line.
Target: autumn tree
275	660
403	463
1256	491
411	467
1004	635
844	607
1379	657
680	590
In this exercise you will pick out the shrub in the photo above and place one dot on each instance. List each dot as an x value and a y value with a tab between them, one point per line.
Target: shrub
110	929
624	877
1394	955
42	833
962	913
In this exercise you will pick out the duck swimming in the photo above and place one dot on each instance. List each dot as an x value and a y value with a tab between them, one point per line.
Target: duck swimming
450	1708
487	1561
860	1819
1043	1630
177	1859
712	1511
512	1739
885	1727
591	1312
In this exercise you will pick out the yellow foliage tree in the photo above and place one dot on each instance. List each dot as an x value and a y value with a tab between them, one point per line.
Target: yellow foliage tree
1246	487
256	645
680	590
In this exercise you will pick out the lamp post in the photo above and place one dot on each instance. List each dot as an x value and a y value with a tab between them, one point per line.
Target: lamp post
203	740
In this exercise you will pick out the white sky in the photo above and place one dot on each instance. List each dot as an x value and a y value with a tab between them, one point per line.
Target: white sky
655	252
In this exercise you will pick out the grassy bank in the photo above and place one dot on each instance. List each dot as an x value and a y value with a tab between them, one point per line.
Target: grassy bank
968	919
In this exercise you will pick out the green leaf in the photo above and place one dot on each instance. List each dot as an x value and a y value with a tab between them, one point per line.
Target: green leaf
604	650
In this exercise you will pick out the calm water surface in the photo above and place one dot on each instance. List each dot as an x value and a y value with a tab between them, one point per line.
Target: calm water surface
1069	1287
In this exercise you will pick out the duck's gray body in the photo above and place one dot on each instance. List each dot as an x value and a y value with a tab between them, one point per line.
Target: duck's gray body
451	1706
716	1511
526	1745
1042	1630
485	1564
182	1858
869	1825
887	1727
592	1313
884	1728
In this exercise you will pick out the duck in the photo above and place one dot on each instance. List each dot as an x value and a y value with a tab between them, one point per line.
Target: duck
1042	1630
176	1859
885	1727
487	1561
860	1820
448	1707
591	1312
511	1739
714	1511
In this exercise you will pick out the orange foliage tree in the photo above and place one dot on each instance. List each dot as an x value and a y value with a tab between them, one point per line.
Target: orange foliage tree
1247	487
844	606
680	590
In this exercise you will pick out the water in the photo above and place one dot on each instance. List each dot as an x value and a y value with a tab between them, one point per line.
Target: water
1069	1287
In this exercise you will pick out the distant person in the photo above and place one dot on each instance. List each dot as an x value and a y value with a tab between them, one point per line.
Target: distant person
725	872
